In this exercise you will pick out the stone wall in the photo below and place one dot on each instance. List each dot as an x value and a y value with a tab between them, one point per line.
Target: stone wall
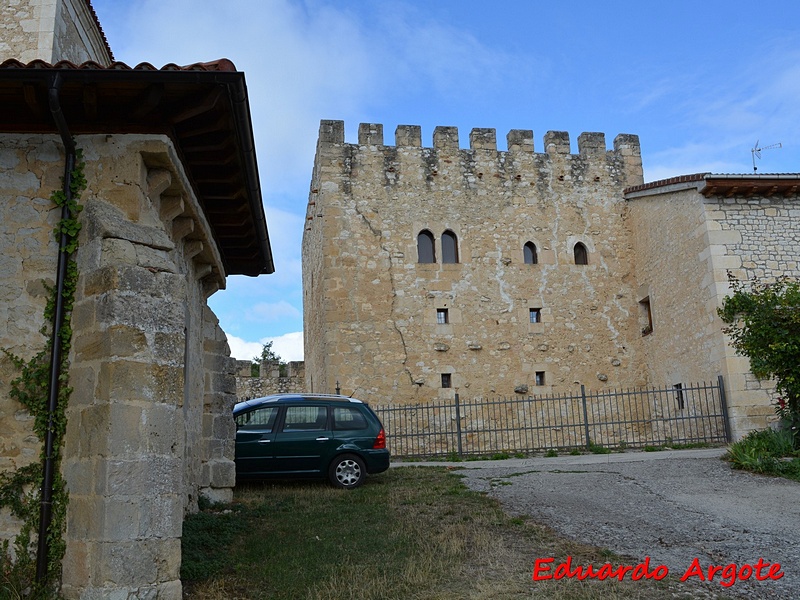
685	246
30	168
149	425
371	307
51	30
269	381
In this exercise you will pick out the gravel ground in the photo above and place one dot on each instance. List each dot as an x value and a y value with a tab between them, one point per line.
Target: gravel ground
671	506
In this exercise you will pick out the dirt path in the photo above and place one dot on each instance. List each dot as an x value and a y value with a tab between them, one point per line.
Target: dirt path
671	506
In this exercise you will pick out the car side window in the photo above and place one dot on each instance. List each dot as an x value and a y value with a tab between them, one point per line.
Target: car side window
260	419
346	417
306	418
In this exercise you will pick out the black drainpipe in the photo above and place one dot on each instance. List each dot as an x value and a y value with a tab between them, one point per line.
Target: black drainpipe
46	506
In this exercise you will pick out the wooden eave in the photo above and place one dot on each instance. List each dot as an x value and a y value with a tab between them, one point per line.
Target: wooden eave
203	108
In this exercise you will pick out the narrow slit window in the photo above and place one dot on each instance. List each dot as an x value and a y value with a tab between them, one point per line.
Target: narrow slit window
679	396
539	380
442	316
426	252
449	247
581	254
529	254
447	380
535	315
646	315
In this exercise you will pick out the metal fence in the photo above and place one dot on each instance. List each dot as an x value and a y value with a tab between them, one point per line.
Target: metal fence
632	418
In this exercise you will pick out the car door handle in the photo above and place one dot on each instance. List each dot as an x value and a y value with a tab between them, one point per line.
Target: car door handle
264	441
322	439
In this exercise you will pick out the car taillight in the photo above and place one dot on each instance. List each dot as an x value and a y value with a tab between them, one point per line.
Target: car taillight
380	441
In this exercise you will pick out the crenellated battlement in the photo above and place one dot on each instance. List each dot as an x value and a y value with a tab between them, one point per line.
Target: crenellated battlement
521	160
447	139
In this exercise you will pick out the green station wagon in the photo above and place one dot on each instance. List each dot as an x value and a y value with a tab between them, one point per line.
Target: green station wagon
309	435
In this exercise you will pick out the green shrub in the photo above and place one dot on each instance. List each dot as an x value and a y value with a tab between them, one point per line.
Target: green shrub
766	452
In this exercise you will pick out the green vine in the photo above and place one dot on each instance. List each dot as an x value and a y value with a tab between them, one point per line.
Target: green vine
20	490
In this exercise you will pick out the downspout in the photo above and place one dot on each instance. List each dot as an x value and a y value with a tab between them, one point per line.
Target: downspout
46	505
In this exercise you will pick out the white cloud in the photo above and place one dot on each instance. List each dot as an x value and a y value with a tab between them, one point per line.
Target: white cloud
243	350
288	346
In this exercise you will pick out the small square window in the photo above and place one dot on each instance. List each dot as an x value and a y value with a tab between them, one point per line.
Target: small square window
539	378
536	315
442	316
447	380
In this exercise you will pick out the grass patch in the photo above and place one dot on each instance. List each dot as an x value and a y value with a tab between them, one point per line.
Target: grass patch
410	533
768	452
598	449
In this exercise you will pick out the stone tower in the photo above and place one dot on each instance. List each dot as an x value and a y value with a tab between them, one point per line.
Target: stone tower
490	272
52	30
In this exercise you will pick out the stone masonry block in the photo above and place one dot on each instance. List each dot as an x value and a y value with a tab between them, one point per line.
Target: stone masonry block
370	134
74	567
445	138
85	515
126	563
161	516
222	473
120	518
408	135
591	143
520	140
93	427
126	380
556	142
125	438
483	139
162	428
83	380
331	132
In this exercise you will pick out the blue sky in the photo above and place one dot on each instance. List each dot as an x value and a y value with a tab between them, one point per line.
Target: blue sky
699	82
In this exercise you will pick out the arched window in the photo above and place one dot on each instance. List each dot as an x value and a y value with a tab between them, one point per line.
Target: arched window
529	252
449	247
426	252
581	254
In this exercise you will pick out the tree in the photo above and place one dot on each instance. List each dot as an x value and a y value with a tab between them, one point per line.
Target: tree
764	325
270	356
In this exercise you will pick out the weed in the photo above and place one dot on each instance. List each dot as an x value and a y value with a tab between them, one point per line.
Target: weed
598	449
769	452
550	453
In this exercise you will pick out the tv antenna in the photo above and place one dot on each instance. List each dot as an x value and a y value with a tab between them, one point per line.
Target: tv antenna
756	152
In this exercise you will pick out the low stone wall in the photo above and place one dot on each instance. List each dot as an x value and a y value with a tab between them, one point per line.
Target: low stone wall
269	381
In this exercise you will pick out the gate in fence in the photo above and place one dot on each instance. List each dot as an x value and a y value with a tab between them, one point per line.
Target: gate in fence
632	418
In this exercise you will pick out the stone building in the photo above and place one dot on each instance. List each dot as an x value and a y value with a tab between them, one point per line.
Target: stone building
428	271
171	207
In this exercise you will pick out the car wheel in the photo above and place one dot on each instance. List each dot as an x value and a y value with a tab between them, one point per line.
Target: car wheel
347	471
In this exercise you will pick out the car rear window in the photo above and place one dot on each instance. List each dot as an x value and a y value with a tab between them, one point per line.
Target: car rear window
348	418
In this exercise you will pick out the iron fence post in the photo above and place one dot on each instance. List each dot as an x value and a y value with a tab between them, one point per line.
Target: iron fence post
585	417
724	401
458	426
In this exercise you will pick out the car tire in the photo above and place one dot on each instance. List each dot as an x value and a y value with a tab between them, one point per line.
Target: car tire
347	471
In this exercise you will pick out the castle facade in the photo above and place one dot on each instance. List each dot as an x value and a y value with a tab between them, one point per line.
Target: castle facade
431	271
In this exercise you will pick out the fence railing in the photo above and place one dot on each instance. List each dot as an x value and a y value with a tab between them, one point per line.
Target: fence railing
632	418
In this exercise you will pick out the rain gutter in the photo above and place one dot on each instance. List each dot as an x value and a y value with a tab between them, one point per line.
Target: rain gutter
46	503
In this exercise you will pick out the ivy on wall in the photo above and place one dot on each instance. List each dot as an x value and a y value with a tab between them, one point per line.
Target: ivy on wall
20	490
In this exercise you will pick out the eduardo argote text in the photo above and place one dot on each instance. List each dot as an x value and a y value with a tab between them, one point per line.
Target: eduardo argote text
544	569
